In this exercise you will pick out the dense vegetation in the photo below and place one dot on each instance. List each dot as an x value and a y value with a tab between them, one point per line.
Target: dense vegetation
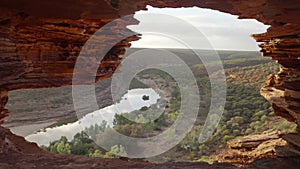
83	144
246	113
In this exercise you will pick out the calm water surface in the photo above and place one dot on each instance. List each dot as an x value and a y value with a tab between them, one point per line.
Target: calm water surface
132	100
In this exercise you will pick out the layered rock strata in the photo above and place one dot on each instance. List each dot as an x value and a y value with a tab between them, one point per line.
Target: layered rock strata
244	150
41	40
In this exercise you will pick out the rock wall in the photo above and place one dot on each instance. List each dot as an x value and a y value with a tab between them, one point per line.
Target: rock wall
3	101
40	41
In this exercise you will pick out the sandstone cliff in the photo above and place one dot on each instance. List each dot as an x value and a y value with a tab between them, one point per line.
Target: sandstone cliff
40	41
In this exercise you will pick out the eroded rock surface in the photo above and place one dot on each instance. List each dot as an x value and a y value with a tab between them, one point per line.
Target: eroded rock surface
3	101
244	150
40	42
16	153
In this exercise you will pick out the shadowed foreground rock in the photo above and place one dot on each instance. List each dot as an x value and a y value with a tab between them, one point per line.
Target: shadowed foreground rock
16	153
40	41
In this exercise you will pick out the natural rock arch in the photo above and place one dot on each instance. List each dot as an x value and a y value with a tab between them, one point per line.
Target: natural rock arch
40	41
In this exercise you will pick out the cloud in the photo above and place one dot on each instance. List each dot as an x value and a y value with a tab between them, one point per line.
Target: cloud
223	31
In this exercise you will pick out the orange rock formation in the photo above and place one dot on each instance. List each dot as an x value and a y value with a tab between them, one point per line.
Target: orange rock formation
40	41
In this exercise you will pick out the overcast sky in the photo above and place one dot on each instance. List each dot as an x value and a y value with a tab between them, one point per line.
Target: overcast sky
223	31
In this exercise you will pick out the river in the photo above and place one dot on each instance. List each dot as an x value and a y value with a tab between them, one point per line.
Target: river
132	100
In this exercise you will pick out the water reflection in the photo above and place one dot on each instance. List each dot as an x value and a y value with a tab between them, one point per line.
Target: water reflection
132	100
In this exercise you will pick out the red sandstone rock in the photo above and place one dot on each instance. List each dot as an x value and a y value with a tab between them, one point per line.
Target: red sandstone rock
40	41
244	150
38	47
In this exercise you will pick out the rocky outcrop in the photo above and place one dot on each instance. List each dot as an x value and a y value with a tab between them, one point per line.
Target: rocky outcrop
40	42
3	101
41	52
244	150
292	148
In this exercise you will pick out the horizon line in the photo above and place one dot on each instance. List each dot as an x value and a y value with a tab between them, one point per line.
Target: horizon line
194	49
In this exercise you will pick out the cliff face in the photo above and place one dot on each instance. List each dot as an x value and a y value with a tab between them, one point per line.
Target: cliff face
40	41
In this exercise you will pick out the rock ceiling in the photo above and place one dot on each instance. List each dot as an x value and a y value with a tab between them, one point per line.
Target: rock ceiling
40	41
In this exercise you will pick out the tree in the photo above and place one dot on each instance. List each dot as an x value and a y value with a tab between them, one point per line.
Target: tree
121	120
96	153
108	139
226	138
116	151
61	146
81	144
140	119
145	97
96	129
